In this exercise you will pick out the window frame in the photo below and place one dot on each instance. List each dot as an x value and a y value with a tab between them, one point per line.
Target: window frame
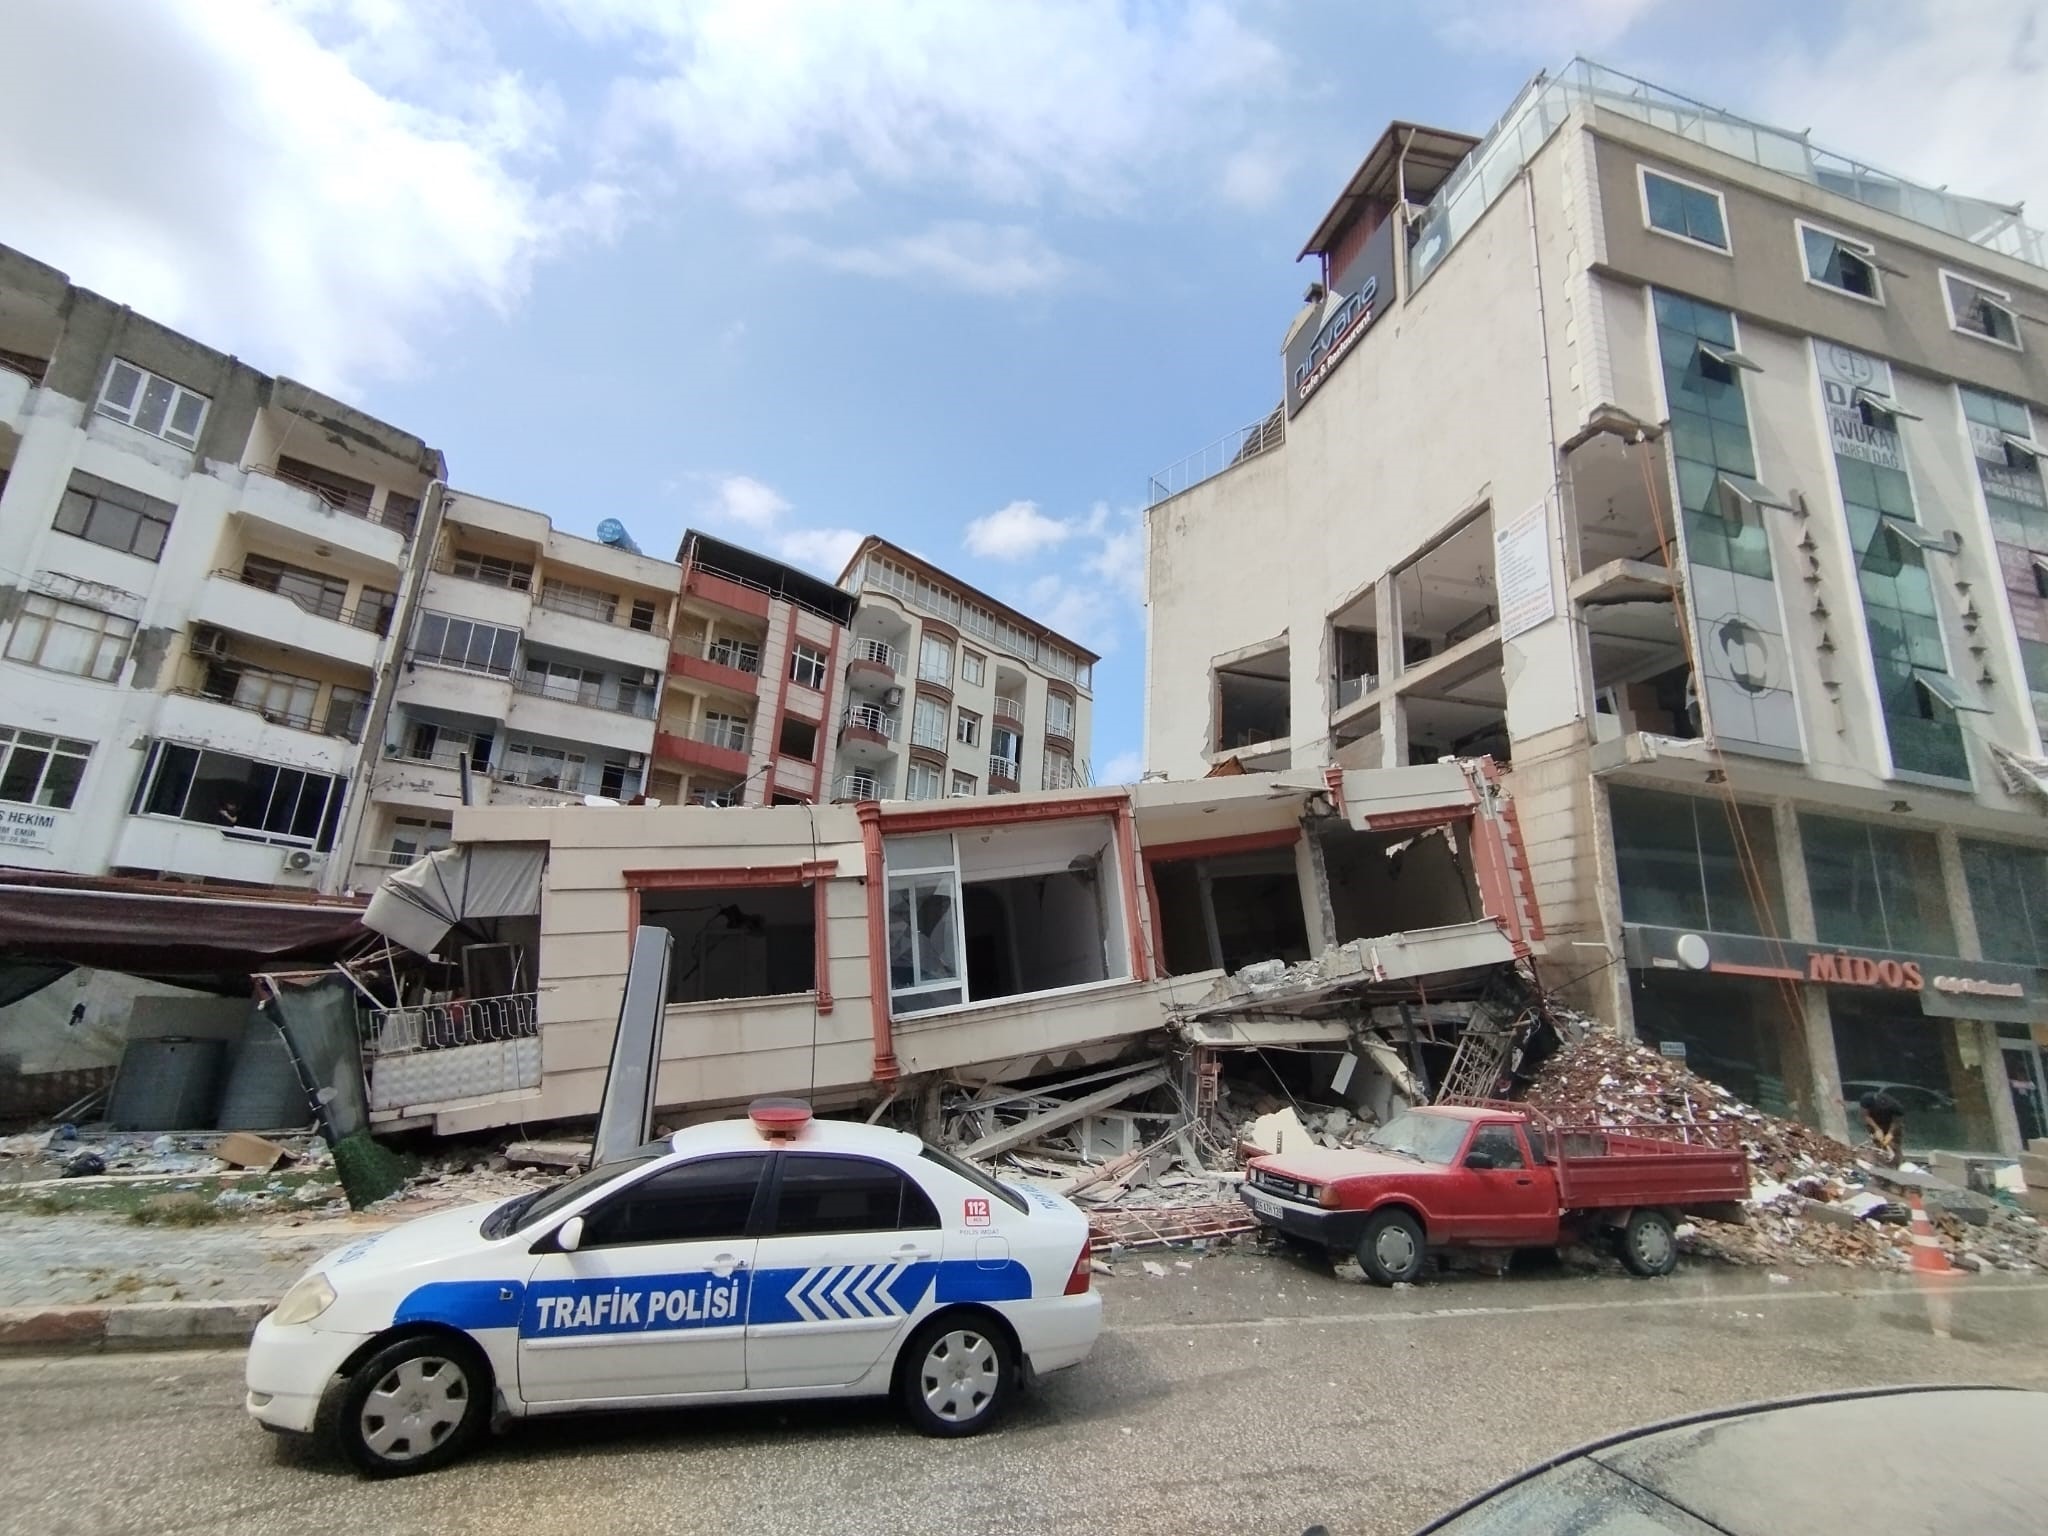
102	632
935	660
808	666
914	778
11	745
415	651
127	415
321	839
962	785
749	1225
1948	276
109	495
1863	250
1056	701
1643	174
967	727
979	662
489	570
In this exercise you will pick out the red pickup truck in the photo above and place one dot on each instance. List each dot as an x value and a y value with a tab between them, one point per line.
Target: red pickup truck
1493	1175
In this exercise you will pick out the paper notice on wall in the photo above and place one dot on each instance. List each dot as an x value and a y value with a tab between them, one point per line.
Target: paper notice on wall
1521	572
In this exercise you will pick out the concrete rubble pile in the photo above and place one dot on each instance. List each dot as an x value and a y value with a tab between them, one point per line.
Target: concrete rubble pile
1813	1201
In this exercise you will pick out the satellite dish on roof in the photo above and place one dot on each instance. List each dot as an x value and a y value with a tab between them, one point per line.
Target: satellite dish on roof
613	532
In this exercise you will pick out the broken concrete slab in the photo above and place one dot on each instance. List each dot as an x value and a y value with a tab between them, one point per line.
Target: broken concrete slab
1281	1131
1035	1126
573	1155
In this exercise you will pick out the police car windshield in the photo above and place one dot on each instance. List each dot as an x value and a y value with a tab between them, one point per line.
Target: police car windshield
532	1209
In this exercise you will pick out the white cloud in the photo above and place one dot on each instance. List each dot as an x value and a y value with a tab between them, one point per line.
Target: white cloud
1001	259
1253	178
801	194
744	500
755	513
1552	30
1124	768
253	175
1948	94
1018	531
1012	103
824	550
1083	613
1119	559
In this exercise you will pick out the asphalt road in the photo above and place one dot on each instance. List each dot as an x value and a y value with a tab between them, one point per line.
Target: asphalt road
1242	1394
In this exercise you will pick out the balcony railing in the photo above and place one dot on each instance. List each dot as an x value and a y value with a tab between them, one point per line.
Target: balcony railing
1011	710
1351	689
449	758
508	581
401	514
375	618
716	799
443	1026
1065	776
598	607
397	858
866	717
878	653
566	782
349	727
459	664
857	786
638	703
740	655
1228	451
733	736
1001	769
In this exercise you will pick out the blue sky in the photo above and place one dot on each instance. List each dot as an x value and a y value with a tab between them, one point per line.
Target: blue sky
960	274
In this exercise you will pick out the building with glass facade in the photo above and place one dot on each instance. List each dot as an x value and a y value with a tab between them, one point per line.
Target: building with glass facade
1693	472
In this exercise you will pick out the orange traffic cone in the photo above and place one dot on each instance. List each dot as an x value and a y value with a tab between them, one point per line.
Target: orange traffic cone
1928	1257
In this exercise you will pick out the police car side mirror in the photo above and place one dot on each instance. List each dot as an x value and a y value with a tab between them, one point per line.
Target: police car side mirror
569	1235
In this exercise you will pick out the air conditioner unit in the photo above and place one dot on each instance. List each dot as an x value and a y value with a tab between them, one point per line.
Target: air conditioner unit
892	697
208	641
649	679
635	760
299	860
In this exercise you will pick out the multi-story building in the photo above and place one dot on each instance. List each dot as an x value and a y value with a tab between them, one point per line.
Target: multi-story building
952	693
533	664
199	571
753	681
1695	471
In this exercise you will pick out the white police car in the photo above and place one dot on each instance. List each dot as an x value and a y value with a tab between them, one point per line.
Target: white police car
774	1257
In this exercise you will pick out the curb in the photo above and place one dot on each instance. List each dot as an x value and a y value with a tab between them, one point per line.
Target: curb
140	1325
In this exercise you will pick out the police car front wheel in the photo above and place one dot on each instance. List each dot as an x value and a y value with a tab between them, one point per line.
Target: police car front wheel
412	1407
956	1376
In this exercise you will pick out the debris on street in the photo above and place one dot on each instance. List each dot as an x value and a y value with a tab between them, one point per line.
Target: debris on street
1813	1200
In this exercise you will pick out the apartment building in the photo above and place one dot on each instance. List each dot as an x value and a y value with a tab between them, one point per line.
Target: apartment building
200	567
1693	471
533	665
952	693
753	681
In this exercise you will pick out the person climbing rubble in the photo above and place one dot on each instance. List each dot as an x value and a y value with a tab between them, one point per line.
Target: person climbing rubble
1885	1119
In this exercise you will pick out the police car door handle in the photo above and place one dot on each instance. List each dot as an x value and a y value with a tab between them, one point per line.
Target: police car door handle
912	1251
726	1263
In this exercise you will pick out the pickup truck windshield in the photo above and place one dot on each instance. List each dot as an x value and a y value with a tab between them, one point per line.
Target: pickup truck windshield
1432	1138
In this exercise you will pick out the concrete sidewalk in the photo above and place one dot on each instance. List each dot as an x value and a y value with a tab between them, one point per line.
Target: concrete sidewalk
80	1281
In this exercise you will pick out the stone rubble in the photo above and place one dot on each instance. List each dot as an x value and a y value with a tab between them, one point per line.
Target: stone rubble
1812	1201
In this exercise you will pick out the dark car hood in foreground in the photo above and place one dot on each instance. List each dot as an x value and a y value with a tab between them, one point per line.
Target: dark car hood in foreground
1899	1461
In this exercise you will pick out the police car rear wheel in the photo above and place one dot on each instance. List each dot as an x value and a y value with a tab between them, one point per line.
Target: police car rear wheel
413	1407
957	1376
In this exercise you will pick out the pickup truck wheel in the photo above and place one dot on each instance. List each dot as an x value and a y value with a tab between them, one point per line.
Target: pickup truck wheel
1390	1250
1648	1245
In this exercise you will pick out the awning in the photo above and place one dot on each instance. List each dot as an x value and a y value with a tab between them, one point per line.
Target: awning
189	936
2023	776
463	887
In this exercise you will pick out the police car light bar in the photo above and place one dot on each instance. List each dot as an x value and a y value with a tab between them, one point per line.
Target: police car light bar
779	1119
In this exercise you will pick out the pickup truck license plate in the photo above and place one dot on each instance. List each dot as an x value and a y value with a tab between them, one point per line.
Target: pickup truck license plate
1265	1205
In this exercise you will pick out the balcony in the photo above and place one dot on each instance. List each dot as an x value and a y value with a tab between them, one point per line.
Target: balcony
866	731
227	601
563	621
544	789
1064	776
1010	712
273	736
323	516
433	684
726	592
1002	776
873	665
426	783
15	389
858	786
712	747
734	666
466	597
717	799
602	715
186	848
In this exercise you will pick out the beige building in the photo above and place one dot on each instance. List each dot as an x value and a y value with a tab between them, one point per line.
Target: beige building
1694	472
533	661
856	952
950	693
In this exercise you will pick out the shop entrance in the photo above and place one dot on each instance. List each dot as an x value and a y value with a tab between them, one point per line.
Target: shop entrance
1730	1028
1884	1043
2029	1087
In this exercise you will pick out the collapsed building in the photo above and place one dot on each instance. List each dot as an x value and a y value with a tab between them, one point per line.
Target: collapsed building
867	954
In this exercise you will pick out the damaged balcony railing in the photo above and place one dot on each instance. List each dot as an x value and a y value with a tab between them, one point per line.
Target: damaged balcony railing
436	1053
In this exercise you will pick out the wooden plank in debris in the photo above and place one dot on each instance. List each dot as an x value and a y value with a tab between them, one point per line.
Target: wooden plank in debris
1065	1114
